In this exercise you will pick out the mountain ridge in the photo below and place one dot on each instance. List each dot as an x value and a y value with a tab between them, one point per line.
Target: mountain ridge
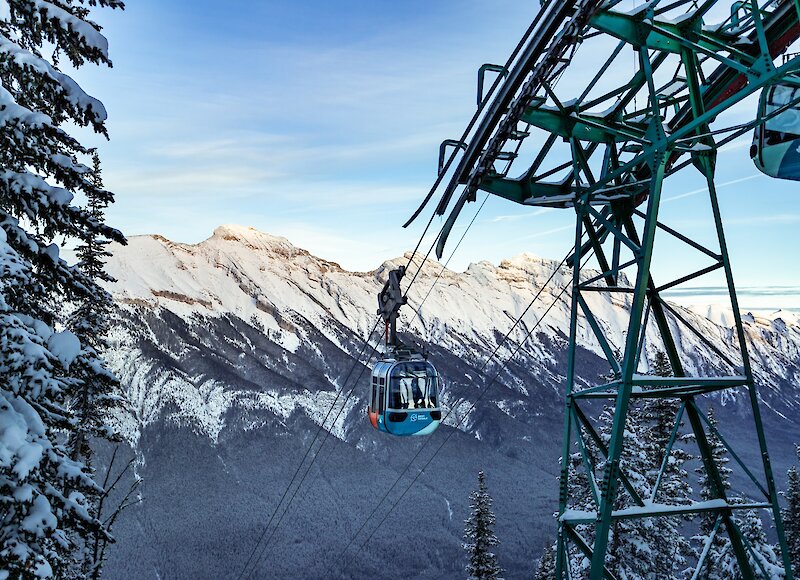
244	339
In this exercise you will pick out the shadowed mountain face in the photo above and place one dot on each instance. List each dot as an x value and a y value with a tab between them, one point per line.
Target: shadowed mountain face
232	352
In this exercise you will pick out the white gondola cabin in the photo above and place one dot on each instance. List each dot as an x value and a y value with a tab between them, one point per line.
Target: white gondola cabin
776	143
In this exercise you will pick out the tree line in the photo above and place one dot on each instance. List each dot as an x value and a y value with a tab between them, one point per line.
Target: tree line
657	547
652	547
56	514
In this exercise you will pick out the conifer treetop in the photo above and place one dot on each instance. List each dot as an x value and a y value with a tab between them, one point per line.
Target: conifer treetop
479	535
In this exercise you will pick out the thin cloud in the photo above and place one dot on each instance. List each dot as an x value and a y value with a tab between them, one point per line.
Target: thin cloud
718	185
741	291
519	216
548	232
761	220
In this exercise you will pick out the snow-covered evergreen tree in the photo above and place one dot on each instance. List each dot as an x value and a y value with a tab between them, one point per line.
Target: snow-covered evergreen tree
641	547
658	421
656	424
791	518
92	392
44	491
633	544
720	563
660	364
766	555
546	569
93	389
581	499
479	535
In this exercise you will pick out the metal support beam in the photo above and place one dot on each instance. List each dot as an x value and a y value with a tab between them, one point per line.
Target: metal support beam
624	141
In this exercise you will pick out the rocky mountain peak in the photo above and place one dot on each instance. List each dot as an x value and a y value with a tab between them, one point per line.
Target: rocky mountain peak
241	342
254	239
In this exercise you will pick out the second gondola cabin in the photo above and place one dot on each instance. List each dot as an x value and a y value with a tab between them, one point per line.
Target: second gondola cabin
776	143
404	396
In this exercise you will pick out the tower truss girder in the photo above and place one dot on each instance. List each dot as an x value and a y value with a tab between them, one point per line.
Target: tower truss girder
610	167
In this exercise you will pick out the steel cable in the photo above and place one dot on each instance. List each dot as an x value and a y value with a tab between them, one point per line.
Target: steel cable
452	409
327	432
446	167
488	386
308	451
313	459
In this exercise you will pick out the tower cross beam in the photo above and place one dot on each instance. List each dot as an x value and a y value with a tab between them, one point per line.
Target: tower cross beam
666	116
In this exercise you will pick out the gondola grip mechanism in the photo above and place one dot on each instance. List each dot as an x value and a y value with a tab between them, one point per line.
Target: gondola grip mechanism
390	299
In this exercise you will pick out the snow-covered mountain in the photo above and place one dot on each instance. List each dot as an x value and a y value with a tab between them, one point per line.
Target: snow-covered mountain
232	351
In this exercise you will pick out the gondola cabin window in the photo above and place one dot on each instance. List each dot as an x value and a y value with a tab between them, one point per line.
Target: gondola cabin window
404	396
413	386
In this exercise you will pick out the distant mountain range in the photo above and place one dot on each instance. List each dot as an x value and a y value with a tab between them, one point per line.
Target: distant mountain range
232	350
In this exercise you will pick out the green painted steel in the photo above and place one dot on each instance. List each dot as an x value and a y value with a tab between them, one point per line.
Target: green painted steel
607	155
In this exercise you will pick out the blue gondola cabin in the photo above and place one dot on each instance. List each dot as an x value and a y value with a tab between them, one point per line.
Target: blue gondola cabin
404	396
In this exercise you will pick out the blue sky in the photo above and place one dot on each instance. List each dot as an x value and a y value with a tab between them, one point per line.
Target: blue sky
321	121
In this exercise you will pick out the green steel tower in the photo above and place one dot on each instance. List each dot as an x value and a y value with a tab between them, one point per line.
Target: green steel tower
669	76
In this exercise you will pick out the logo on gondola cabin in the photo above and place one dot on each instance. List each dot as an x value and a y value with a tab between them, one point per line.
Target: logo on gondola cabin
413	417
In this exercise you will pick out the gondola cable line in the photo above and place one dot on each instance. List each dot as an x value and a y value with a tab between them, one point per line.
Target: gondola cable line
430	289
483	392
311	464
442	172
441	230
308	450
430	459
455	248
374	348
451	158
352	389
317	453
417	312
455	428
454	407
305	456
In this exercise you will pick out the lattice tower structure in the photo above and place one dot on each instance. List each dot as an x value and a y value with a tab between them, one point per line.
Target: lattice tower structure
668	77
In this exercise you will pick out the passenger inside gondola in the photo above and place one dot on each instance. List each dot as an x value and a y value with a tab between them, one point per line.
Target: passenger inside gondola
412	386
425	397
419	386
406	393
430	396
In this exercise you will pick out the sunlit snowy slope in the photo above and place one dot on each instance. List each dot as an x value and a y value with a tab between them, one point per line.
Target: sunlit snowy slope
232	350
